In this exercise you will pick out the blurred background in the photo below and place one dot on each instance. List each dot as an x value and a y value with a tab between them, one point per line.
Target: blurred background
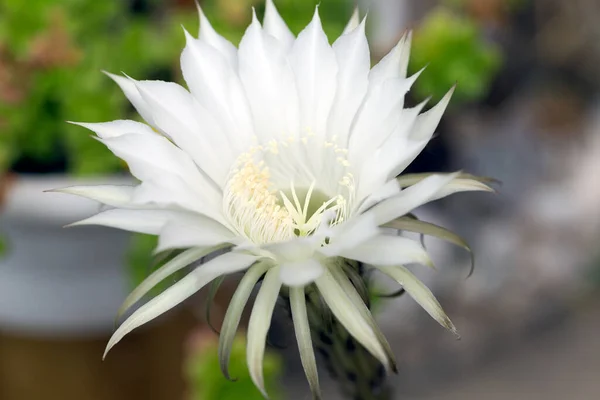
526	111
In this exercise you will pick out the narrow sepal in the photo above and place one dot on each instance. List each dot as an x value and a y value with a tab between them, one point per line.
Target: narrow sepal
427	228
234	313
421	293
258	327
303	336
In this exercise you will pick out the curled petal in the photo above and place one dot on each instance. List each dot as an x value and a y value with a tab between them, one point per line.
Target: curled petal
422	295
426	228
176	264
303	336
234	313
260	321
180	291
345	311
364	312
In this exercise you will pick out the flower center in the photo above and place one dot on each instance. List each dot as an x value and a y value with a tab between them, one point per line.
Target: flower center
263	212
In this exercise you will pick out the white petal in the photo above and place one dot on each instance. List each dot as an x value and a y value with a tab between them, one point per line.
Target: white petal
116	128
342	307
180	291
420	293
276	26
176	264
462	185
354	61
146	153
315	67
214	83
353	22
112	195
300	273
211	37
269	84
303	337
143	221
155	159
348	288
350	234
378	165
174	111
234	312
381	116
389	189
260	321
208	233
132	94
388	250
410	198
428	121
297	249
394	64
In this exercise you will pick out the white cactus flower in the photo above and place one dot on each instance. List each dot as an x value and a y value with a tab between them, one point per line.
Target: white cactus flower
287	152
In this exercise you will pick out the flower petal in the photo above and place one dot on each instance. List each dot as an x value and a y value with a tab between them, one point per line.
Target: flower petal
116	128
388	250
177	235
303	337
176	264
300	273
276	26
394	64
350	234
382	116
112	195
234	313
428	121
364	312
353	22
215	84
211	37
420	293
269	84
134	97
143	221
315	68
463	185
409	198
175	111
260	321
411	179
180	291
426	228
354	61
344	310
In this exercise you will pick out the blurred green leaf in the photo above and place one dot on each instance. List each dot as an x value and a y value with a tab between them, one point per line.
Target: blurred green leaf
208	383
454	50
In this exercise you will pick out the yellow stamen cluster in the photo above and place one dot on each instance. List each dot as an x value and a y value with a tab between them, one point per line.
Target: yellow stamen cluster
264	214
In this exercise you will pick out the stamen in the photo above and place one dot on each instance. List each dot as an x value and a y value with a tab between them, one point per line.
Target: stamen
263	214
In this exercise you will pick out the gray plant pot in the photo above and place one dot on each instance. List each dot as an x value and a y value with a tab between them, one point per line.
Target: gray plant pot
57	281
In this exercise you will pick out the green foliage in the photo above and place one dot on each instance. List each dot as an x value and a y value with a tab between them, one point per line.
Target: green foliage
454	51
91	36
208	383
